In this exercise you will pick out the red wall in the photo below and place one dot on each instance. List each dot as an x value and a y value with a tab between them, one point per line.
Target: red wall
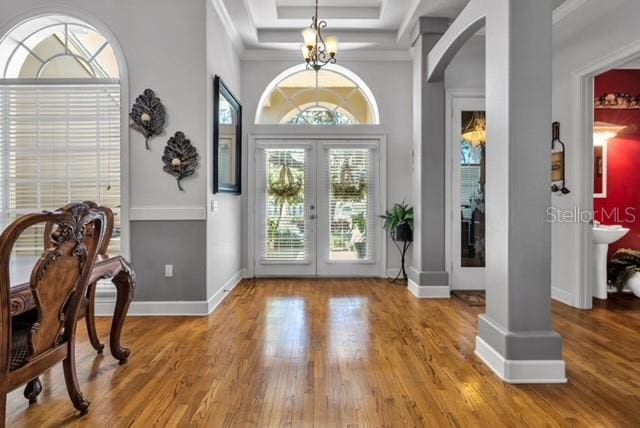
623	158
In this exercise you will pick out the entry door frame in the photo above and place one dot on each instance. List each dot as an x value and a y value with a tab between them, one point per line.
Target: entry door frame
358	133
453	95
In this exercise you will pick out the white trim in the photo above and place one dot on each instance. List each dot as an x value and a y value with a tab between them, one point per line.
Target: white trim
565	9
393	272
520	371
229	26
561	295
217	298
453	95
105	305
168	213
332	67
429	292
282	134
582	130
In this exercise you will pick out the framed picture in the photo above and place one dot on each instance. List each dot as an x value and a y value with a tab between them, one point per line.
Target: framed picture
227	140
600	171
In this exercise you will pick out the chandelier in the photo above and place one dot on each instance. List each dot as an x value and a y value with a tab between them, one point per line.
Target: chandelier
317	51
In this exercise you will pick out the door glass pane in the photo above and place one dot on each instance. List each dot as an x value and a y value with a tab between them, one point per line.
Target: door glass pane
472	188
349	199
286	226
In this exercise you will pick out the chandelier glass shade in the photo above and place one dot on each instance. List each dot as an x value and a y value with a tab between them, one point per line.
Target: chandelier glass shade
317	50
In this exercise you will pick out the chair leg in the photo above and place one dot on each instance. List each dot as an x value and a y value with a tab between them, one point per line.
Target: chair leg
3	407
33	389
71	379
90	318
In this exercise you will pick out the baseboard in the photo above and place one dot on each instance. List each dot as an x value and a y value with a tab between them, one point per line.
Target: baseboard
106	304
429	292
393	272
224	291
521	371
561	295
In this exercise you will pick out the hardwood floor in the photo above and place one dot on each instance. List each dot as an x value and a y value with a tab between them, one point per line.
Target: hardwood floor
347	353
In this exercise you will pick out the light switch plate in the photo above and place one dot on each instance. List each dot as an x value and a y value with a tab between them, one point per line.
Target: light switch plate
168	271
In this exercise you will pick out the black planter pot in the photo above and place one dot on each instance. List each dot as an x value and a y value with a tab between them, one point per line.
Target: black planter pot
403	233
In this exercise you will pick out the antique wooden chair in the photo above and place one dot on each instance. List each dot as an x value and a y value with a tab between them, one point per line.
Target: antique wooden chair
34	342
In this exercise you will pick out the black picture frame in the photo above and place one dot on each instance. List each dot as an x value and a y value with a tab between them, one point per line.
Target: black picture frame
219	186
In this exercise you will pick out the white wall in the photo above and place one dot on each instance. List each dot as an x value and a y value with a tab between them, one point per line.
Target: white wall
593	31
224	227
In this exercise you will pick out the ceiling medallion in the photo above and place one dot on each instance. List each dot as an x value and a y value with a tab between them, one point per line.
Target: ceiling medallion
317	51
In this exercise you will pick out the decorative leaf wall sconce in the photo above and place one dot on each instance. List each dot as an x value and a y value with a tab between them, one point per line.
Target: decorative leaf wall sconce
148	115
180	158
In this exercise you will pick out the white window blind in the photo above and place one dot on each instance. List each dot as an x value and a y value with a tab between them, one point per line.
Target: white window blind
351	186
285	231
58	143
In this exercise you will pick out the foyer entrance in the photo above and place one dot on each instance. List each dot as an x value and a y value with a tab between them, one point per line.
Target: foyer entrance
316	208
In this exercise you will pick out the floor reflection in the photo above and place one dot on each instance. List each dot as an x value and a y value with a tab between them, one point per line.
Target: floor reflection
286	329
348	328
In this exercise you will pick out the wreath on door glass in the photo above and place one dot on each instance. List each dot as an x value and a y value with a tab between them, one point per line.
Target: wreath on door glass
346	186
287	187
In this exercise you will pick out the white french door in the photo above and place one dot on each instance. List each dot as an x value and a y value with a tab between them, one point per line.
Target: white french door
316	208
468	172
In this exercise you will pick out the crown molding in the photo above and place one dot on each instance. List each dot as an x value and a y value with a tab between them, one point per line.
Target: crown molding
566	9
354	55
229	26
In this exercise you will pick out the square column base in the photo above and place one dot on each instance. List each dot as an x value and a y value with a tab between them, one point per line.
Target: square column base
429	285
520	371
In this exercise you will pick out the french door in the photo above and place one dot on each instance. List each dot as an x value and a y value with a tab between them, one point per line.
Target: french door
468	172
316	208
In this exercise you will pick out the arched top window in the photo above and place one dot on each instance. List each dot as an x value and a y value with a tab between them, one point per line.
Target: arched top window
60	122
55	46
332	96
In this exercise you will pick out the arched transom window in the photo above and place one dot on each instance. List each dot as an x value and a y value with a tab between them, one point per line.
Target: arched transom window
331	96
60	121
56	47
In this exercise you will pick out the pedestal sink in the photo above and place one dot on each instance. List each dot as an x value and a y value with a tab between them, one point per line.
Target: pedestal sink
602	237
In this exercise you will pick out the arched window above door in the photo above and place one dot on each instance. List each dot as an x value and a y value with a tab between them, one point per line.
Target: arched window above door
56	46
332	96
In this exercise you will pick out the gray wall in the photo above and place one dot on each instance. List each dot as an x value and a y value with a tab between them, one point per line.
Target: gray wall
155	245
173	47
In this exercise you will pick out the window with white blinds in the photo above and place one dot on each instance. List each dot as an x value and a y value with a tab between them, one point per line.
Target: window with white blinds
285	227
58	143
351	186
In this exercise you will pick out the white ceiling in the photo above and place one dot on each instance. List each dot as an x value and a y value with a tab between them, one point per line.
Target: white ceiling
360	25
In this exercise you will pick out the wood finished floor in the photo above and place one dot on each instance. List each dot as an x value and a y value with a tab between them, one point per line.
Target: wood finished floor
342	353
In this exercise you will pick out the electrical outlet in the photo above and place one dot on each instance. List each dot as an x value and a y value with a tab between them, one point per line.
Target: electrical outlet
214	206
168	271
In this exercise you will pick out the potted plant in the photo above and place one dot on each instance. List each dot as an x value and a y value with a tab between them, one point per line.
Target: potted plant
624	270
359	234
399	222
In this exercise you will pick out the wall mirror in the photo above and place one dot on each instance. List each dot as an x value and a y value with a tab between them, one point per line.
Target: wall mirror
600	171
227	139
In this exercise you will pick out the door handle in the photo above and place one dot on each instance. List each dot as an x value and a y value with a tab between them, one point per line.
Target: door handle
312	216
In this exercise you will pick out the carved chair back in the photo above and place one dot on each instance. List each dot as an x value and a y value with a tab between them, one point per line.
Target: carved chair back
58	280
109	224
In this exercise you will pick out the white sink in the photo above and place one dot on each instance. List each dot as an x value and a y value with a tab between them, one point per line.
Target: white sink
602	237
608	235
